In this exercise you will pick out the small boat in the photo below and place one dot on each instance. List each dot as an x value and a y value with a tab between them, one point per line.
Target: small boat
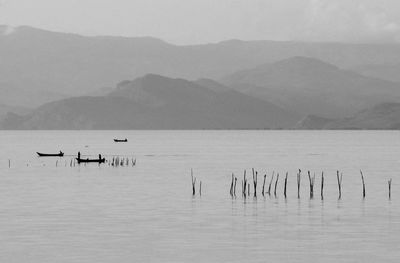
60	154
117	140
102	160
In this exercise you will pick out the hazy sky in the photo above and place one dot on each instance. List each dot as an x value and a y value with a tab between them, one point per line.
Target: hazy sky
201	21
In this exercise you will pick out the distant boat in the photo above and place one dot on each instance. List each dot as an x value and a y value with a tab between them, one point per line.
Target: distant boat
102	160
60	154
117	140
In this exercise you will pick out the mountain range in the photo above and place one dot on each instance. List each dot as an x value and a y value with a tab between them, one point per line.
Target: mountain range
312	87
64	64
156	102
385	71
385	116
51	80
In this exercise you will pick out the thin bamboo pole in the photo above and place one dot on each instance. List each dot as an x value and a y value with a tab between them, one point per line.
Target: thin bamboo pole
339	180
231	190
276	183
263	188
363	183
193	183
234	188
298	183
255	179
312	180
284	190
322	186
270	182
244	183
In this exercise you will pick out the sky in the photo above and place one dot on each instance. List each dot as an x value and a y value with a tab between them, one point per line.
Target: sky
205	21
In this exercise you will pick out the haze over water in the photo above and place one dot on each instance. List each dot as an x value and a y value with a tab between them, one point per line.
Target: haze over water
147	213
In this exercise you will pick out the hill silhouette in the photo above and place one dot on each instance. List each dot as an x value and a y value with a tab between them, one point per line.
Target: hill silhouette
156	102
313	87
34	60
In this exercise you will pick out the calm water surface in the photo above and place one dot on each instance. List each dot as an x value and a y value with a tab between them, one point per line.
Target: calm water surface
146	213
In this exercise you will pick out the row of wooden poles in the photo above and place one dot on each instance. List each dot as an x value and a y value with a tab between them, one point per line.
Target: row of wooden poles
115	162
245	185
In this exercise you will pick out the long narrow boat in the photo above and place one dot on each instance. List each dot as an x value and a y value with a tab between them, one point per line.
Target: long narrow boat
60	154
102	160
117	140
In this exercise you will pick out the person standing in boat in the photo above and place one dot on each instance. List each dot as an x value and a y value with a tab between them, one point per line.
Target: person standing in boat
79	155
99	156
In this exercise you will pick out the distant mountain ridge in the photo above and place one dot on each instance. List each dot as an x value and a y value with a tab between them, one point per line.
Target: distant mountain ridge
15	96
312	122
313	87
385	116
386	71
74	65
4	109
264	84
156	102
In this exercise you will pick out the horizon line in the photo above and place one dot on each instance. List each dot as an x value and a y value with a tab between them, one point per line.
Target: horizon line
12	29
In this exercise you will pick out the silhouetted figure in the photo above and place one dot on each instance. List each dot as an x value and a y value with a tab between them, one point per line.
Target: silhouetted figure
99	156
79	155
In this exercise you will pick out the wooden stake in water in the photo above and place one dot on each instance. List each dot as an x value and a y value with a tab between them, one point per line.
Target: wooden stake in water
284	189
244	183
298	183
193	183
339	180
322	186
390	188
234	188
270	183
255	178
232	181
9	163
200	189
312	180
363	183
265	177
276	183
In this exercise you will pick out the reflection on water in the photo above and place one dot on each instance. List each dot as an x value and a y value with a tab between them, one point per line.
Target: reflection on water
147	213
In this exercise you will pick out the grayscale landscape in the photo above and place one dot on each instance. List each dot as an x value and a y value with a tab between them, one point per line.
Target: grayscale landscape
199	131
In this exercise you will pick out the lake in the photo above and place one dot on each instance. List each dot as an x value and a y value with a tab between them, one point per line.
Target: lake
51	211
